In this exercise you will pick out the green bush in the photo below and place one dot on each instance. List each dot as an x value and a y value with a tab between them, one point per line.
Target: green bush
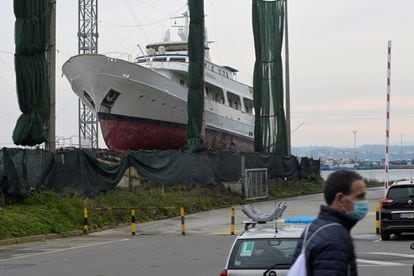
47	212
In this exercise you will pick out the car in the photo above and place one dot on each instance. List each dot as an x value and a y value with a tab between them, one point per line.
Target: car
397	209
263	250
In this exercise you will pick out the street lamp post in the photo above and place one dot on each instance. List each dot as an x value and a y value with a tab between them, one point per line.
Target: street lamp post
355	144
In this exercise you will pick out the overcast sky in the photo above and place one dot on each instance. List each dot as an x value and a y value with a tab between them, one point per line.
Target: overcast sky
337	60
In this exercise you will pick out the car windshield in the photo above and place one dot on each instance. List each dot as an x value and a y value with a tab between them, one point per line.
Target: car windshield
262	253
401	193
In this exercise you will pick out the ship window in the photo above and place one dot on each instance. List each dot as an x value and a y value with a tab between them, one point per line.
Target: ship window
248	105
177	59
141	60
159	59
182	82
214	93
234	100
86	95
110	98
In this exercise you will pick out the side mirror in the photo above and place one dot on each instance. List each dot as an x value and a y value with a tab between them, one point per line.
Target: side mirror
412	246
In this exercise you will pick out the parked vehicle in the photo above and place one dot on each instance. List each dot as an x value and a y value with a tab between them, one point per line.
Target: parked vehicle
397	209
263	251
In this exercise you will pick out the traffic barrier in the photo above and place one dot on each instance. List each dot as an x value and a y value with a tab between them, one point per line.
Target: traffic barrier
233	214
133	222
182	221
85	221
377	218
133	212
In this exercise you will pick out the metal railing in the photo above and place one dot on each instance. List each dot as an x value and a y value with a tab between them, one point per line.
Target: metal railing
256	184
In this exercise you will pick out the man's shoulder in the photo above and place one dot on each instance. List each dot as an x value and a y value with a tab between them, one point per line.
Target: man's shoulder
329	231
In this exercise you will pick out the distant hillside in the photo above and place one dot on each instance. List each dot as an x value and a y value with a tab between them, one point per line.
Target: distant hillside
365	152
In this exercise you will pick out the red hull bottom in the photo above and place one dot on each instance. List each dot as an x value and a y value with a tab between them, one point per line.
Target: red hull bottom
124	133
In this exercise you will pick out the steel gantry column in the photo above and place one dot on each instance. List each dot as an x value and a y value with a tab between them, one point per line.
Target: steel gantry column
87	44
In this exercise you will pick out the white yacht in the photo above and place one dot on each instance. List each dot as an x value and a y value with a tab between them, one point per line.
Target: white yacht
143	104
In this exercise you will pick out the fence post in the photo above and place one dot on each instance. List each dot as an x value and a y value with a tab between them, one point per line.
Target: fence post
85	221
377	218
233	213
133	222
182	221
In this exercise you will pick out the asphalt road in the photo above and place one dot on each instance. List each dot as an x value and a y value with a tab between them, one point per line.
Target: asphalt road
159	249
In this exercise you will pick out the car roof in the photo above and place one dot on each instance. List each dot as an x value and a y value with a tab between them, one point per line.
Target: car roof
287	232
402	183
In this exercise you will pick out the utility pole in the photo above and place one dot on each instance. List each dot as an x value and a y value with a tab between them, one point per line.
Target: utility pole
355	144
87	44
289	145
50	144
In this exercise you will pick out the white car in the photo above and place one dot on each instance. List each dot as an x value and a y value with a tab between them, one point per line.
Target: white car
260	250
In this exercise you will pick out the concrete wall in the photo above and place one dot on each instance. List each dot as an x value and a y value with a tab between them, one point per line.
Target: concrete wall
130	179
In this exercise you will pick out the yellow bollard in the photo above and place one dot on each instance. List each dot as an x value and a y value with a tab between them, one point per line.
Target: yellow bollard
85	221
377	218
133	222
233	214
182	221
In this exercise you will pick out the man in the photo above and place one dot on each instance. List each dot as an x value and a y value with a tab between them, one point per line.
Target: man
331	251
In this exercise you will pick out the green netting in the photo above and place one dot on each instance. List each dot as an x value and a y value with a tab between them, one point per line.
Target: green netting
80	172
31	33
195	100
270	126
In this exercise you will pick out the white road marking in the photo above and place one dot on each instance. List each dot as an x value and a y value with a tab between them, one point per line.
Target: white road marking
390	254
380	263
61	250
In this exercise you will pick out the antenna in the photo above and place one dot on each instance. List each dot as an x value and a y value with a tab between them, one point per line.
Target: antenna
182	29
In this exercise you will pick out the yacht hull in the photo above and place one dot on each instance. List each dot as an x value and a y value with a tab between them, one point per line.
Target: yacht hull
138	108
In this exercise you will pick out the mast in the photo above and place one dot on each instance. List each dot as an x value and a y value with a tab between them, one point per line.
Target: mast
87	44
387	131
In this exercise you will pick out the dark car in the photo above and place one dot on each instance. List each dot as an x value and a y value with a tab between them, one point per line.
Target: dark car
397	209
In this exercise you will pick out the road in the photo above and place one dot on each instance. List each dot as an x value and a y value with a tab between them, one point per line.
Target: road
159	249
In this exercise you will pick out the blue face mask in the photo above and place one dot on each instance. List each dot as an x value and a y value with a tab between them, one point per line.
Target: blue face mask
360	209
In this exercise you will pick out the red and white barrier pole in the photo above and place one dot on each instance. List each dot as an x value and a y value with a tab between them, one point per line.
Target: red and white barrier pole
387	132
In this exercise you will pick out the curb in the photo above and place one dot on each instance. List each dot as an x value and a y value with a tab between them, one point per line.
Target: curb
37	238
40	238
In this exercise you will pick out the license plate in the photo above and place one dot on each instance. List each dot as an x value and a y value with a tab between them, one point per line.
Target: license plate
407	215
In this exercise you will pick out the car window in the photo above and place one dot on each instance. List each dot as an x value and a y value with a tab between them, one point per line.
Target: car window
262	253
401	193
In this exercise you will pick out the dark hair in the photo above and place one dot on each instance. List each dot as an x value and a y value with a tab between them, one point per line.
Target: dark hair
339	182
